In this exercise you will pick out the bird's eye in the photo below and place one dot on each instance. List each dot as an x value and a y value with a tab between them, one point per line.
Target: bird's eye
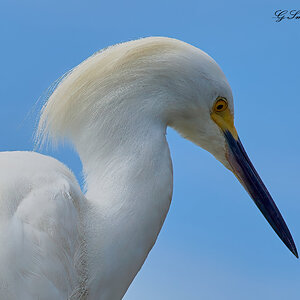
220	105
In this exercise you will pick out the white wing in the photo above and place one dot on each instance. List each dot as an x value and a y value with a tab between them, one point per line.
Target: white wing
41	244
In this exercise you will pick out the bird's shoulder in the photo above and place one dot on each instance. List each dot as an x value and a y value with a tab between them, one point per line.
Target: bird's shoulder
40	228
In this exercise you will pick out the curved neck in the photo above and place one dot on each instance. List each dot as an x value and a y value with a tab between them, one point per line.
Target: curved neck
129	187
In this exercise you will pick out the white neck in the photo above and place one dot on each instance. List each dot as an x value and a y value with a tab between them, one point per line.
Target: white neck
115	108
129	189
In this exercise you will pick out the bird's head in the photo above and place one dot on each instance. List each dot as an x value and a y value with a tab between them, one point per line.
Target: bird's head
205	116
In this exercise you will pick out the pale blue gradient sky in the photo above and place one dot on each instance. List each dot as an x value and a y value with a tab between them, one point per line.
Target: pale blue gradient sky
214	244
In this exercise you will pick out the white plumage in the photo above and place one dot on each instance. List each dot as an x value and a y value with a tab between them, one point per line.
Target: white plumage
58	243
41	242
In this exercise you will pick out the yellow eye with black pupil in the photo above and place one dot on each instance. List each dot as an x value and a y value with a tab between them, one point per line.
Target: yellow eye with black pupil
220	105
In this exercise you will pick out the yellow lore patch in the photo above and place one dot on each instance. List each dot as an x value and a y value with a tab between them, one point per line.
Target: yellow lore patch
223	117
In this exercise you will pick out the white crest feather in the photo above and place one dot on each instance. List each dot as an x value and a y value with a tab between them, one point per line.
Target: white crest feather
100	78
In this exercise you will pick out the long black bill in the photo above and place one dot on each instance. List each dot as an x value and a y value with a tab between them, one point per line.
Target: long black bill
249	178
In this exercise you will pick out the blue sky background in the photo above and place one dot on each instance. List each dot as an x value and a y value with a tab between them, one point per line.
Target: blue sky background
215	244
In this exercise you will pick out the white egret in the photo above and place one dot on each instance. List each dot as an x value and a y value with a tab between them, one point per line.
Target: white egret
58	243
